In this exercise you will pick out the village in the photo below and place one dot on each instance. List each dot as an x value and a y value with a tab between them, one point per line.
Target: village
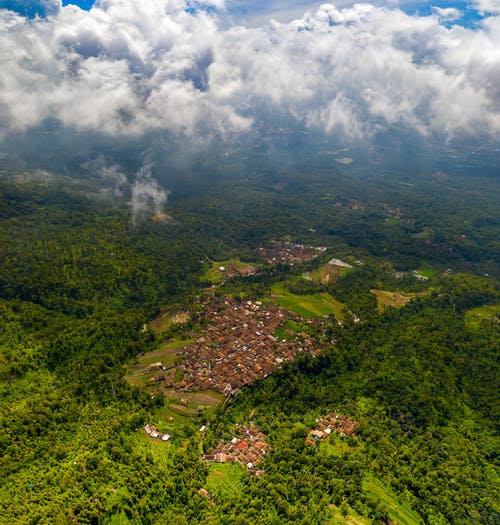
274	253
333	423
238	346
289	253
249	450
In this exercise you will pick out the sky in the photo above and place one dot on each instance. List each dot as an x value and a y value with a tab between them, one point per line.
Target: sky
256	12
197	69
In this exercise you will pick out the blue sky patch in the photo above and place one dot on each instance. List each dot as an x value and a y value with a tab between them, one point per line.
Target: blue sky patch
82	4
251	8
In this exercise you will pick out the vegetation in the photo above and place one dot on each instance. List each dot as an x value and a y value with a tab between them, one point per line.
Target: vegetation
487	313
79	285
214	274
395	299
307	305
417	382
390	504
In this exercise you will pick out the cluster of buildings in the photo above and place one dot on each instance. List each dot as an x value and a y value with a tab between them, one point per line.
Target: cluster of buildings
238	346
289	253
339	263
153	432
232	270
331	424
249	450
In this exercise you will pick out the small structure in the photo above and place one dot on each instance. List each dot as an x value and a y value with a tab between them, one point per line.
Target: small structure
339	263
152	431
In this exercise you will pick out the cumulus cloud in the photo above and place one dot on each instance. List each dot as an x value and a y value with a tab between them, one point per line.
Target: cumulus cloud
488	6
447	14
127	67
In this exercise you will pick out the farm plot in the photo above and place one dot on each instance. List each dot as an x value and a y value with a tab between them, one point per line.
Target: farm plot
161	361
395	299
474	317
308	306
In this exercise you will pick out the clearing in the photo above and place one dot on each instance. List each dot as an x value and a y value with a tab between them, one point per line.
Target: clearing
426	273
167	318
398	511
474	317
141	373
219	271
290	329
396	299
327	273
191	403
348	517
308	306
225	480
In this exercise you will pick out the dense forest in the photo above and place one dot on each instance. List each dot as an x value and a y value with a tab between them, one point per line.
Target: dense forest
79	282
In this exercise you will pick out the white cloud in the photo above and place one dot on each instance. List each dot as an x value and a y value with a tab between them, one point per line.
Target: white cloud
488	6
112	175
127	67
447	14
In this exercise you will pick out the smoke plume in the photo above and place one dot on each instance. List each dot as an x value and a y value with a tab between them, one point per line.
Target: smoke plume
148	198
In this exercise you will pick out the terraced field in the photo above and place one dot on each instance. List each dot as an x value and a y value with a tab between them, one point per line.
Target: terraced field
139	374
397	510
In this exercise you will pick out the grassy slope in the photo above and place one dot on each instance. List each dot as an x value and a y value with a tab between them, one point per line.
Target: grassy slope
398	511
225	480
309	306
215	276
474	317
396	299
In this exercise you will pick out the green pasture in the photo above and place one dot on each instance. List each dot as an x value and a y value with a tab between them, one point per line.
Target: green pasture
395	299
225	480
347	517
397	510
308	306
215	276
166	353
474	317
290	329
426	272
